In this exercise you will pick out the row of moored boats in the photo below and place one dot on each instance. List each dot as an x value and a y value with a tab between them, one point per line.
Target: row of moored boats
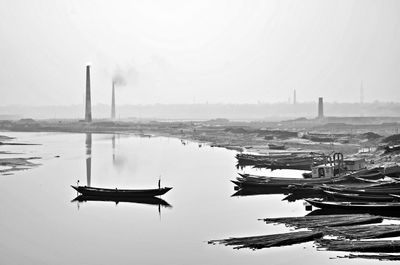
376	189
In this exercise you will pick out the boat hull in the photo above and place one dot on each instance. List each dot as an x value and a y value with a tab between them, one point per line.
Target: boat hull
358	206
116	193
255	181
360	197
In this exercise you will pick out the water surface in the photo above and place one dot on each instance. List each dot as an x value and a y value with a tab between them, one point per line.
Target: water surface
40	225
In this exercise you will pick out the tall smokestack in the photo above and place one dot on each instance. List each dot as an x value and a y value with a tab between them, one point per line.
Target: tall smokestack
113	101
320	108
88	107
294	96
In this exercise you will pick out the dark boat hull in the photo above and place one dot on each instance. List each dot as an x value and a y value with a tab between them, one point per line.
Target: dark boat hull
361	197
116	193
358	206
255	181
365	191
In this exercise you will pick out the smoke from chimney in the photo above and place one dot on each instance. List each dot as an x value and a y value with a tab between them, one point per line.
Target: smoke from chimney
118	80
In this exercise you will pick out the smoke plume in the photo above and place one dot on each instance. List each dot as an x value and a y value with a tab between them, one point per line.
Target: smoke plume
119	79
123	76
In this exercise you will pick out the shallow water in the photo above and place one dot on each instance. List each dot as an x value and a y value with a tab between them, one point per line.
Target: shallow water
40	225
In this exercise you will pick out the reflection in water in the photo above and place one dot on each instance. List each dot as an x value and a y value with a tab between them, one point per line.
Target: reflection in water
113	148
301	194
127	225
158	202
88	143
140	200
259	191
239	166
144	200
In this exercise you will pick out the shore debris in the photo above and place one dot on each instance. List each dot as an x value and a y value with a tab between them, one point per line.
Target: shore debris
381	246
326	220
8	165
381	257
267	241
351	232
363	231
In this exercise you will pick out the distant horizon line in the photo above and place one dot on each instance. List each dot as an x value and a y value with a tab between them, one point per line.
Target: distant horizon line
207	103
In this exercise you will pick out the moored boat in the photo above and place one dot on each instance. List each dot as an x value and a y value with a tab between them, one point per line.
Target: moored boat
357	206
361	197
384	189
120	193
262	181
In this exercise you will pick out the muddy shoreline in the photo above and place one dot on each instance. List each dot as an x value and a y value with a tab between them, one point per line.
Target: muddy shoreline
354	140
9	165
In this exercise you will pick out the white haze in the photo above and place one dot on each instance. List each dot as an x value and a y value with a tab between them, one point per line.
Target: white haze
182	51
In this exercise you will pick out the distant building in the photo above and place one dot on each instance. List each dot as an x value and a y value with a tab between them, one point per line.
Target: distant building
294	96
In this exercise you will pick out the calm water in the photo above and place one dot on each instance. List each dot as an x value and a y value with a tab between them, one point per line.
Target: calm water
40	225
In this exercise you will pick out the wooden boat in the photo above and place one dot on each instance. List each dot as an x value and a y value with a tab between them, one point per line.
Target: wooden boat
372	190
117	193
360	197
357	206
260	181
281	160
372	174
359	185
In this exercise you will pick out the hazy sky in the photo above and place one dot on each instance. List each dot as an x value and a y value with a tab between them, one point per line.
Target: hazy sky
181	51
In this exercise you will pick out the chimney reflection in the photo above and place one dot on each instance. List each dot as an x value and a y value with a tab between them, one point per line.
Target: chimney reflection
88	143
113	147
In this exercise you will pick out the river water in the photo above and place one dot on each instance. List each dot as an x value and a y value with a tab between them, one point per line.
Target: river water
40	225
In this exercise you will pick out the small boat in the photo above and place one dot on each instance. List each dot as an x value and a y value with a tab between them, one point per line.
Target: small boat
247	180
117	193
358	206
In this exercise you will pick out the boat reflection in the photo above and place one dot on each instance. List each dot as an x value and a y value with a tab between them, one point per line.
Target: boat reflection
260	191
302	194
145	200
292	194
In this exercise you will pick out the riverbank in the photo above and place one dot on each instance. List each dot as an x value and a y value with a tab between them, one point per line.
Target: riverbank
357	140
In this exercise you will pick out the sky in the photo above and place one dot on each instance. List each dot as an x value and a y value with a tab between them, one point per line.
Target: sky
184	51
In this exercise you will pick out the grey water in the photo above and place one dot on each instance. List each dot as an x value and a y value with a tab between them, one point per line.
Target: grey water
40	225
